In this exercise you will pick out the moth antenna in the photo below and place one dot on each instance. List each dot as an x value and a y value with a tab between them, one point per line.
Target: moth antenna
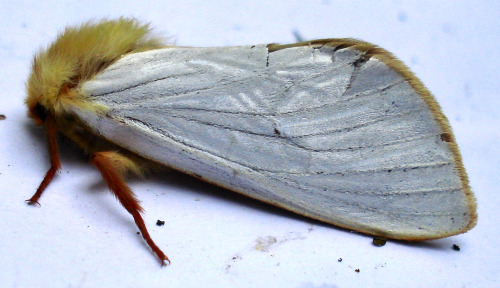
55	164
110	170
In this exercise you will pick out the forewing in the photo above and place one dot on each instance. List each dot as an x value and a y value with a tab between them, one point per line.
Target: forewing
322	130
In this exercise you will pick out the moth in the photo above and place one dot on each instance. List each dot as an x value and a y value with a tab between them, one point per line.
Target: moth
338	130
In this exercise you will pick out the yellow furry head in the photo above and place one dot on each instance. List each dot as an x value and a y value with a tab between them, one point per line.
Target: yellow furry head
76	56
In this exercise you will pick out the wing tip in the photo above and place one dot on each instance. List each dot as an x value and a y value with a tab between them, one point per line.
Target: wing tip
371	50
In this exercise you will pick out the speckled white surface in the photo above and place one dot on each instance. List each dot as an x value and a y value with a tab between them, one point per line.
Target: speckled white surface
81	237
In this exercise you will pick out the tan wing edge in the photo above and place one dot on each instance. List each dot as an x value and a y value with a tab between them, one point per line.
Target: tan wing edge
372	50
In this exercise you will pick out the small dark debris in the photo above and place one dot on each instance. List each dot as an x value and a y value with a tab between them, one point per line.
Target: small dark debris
446	137
379	241
340	260
2	117
138	233
160	223
357	270
455	247
297	35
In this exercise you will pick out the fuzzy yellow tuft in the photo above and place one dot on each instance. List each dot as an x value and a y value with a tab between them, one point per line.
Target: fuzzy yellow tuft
122	163
78	54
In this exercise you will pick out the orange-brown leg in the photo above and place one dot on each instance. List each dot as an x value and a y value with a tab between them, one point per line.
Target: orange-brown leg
55	164
111	174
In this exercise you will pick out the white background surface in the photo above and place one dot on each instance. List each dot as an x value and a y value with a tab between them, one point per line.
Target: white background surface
82	237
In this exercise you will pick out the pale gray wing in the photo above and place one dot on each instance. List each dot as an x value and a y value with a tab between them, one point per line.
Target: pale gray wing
324	131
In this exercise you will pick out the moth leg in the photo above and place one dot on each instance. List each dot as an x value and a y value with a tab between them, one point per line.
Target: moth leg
112	166
55	164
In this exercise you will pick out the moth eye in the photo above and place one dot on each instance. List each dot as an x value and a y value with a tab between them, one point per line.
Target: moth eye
40	112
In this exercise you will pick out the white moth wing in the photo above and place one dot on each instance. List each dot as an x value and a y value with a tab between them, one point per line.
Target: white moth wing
325	132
